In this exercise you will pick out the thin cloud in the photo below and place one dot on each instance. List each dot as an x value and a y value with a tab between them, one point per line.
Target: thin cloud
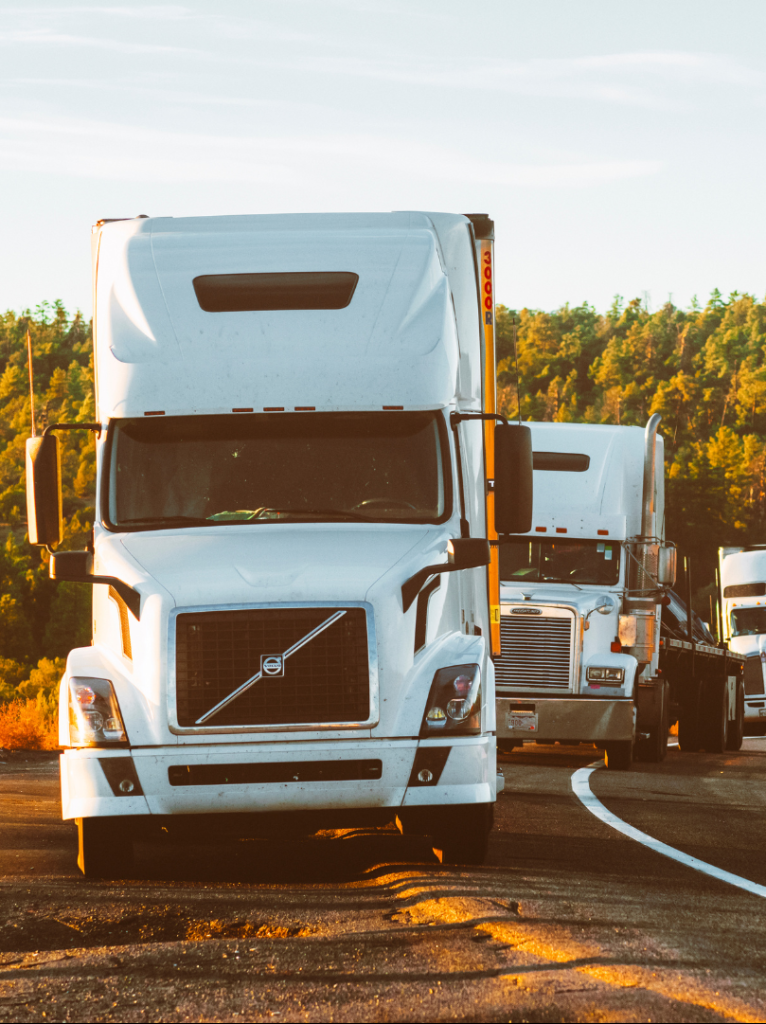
161	12
43	37
110	151
619	78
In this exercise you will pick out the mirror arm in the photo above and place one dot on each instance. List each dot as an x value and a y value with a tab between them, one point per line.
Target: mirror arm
72	426
412	587
130	596
458	417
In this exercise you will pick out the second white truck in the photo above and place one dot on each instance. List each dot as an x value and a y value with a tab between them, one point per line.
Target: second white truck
596	648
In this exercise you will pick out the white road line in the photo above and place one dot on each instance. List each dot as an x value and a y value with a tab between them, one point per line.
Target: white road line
582	790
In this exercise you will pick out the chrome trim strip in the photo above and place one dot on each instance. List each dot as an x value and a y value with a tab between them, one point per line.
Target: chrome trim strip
557	610
372	658
259	675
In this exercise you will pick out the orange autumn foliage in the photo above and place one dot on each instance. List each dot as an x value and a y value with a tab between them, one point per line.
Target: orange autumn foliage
29	724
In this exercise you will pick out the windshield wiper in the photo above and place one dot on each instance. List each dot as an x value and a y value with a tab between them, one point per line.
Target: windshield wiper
558	579
166	519
315	512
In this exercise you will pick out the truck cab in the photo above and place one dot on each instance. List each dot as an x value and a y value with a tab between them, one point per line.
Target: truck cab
579	623
743	584
291	568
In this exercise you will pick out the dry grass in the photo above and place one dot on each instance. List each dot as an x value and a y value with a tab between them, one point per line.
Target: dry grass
30	724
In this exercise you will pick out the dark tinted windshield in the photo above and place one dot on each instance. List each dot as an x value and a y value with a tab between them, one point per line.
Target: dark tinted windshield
748	621
560	561
204	470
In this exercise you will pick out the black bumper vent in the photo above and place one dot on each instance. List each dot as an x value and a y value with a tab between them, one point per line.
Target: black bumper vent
326	680
279	771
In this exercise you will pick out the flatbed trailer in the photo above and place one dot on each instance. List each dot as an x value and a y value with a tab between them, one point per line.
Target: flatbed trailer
701	687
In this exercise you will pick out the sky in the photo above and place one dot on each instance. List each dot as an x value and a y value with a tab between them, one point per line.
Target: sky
619	146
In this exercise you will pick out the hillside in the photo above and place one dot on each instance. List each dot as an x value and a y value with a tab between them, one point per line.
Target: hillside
703	369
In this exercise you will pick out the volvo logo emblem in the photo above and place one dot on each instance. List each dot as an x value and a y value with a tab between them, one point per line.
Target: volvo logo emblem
272	665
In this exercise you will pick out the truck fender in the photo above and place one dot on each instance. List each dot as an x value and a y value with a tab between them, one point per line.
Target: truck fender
611	660
139	717
448	649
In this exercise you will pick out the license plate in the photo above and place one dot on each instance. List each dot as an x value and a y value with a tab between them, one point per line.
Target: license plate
762	712
524	723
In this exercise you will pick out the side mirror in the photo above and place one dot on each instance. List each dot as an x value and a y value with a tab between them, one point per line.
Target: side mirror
666	566
468	552
513	478
74	566
44	513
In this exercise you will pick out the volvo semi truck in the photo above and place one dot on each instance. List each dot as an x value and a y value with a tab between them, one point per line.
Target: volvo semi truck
742	575
596	647
300	482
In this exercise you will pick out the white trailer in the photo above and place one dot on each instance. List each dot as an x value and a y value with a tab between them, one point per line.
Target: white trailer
584	656
295	446
742	575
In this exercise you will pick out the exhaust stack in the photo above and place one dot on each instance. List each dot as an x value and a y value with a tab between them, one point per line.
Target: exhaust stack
642	598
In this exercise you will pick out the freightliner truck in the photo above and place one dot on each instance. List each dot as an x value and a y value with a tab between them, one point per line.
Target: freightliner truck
742	575
596	647
300	474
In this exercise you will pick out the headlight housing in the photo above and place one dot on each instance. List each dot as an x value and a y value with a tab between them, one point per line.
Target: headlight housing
94	714
606	675
454	703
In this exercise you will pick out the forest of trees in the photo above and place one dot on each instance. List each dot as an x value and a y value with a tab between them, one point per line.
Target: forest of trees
703	369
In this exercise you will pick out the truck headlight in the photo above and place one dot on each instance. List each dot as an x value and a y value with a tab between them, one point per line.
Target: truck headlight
454	703
607	675
94	714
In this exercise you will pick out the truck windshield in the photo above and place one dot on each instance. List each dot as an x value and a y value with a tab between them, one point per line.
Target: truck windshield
748	621
560	561
213	470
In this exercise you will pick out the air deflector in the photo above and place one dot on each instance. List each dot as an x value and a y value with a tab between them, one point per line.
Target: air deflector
240	293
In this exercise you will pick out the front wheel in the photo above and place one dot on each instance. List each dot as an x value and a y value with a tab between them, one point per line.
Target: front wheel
619	755
737	727
466	839
105	847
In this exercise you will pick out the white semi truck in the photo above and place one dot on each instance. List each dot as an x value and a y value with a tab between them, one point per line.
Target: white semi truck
742	576
596	648
295	599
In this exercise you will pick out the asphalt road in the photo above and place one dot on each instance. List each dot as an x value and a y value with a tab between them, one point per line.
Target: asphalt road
568	921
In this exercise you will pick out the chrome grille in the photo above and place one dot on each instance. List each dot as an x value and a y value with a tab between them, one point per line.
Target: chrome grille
753	675
536	651
326	680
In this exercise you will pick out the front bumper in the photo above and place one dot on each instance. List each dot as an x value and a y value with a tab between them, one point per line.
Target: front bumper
91	779
755	709
565	718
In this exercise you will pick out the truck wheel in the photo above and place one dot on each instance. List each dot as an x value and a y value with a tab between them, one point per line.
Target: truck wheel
689	740
715	723
655	746
105	848
468	837
737	727
619	755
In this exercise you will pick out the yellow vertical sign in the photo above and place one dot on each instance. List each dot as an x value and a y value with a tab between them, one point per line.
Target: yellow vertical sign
487	287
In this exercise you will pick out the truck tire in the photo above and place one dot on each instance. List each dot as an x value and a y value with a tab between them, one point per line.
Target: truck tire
105	848
715	719
468	837
737	727
689	739
655	746
619	755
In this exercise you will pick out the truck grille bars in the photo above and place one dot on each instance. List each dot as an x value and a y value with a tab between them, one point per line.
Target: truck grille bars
272	666
537	651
